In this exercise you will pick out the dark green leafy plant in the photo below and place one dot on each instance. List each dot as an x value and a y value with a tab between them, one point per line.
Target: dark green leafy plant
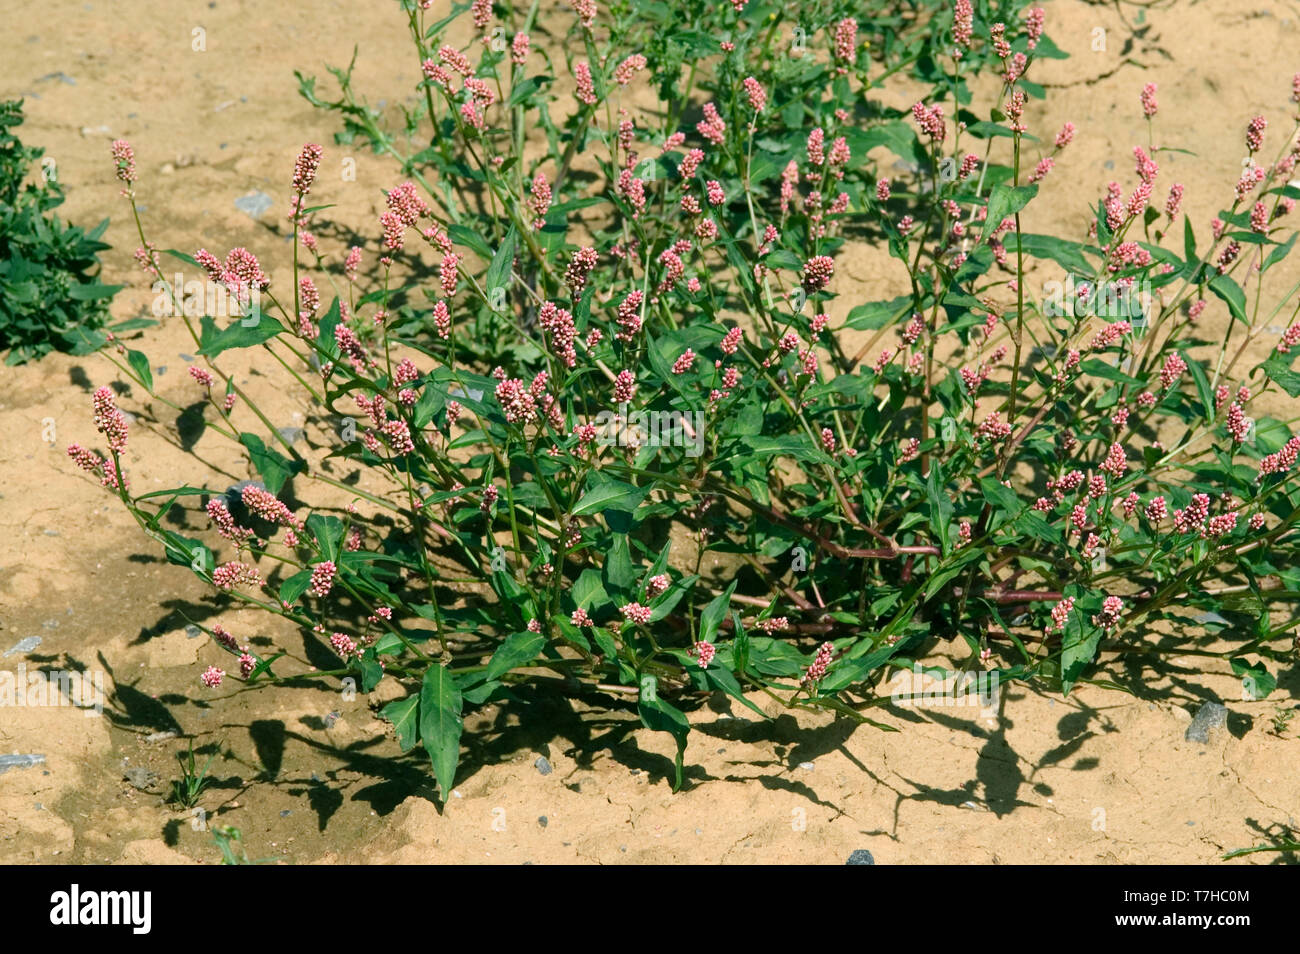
629	363
187	789
50	296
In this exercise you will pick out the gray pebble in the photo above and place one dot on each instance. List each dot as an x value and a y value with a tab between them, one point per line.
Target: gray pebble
23	646
861	857
156	737
541	820
160	370
1209	716
141	778
332	718
542	765
285	813
187	357
255	204
50	624
291	434
193	632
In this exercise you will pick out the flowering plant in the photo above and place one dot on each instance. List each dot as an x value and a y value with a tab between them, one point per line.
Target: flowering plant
604	352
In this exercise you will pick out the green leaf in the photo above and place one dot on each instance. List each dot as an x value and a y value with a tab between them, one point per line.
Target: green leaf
139	361
715	613
273	467
878	314
1006	200
1257	682
441	725
940	504
1279	253
463	235
1202	388
404	714
295	586
517	650
1189	241
522	90
498	273
1000	496
187	259
92	291
619	574
1069	255
587	590
1078	648
722	679
186	551
372	674
941	578
1278	369
213	340
612	495
263	666
1230	292
660	716
328	532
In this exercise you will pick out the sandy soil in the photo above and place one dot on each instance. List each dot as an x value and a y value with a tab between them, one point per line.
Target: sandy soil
311	776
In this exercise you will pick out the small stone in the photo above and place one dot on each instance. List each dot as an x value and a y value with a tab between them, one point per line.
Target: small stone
161	369
51	533
193	632
542	765
541	820
255	204
141	778
160	736
186	357
20	761
23	646
807	766
50	624
291	434
861	857
332	718
285	813
1209	716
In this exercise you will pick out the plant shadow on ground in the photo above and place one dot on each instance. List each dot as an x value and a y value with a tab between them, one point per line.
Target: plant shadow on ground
542	719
